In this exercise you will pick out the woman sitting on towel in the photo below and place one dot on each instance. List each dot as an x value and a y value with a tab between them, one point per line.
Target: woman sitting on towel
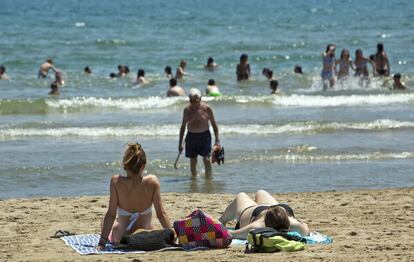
264	211
131	199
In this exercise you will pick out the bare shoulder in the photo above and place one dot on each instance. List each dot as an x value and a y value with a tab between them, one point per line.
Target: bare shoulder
115	179
151	180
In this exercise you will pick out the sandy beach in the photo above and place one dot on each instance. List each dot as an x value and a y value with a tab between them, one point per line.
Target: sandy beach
369	225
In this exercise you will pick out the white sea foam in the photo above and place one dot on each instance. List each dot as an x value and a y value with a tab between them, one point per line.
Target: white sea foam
237	129
328	157
120	103
155	102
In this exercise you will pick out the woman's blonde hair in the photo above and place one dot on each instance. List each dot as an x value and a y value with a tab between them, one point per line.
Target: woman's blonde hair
134	158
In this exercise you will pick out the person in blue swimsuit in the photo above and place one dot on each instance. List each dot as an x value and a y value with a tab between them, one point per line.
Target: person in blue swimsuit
263	211
328	67
131	199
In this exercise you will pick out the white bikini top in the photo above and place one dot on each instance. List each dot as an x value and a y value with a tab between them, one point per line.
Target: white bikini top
133	216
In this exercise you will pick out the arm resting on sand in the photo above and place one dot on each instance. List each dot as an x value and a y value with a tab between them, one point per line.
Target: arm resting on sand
110	214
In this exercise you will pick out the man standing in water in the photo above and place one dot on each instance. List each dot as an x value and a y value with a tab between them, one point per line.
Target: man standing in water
198	139
45	67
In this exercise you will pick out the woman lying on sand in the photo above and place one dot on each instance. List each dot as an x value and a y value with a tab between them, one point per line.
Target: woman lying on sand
132	197
264	211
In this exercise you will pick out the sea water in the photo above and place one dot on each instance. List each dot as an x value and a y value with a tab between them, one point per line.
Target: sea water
306	139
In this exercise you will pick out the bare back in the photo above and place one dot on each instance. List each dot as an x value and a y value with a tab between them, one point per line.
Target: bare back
135	197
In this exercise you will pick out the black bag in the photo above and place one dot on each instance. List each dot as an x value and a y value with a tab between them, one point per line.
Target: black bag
148	240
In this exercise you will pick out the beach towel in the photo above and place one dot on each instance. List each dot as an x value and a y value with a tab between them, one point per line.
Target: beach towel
313	238
86	245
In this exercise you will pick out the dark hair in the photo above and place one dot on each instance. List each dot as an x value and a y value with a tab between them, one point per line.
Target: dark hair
49	60
168	70
141	72
120	67
243	57
358	50
211	82
343	53
173	82
87	69
277	218
269	74
134	158
210	60
298	69
3	68
126	69
329	47
397	76
54	85
273	84
380	48
265	70
112	75
372	57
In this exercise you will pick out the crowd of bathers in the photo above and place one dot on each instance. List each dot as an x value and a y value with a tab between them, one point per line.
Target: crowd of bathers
333	70
339	69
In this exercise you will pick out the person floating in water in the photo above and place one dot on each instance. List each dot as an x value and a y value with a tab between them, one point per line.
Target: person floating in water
398	85
174	89
267	73
3	75
54	89
243	68
59	78
168	72
344	63
87	70
382	65
211	65
180	73
45	67
298	69
140	80
196	118
212	89
328	67
274	84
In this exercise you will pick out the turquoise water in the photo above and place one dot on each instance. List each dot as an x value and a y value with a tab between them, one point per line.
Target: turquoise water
304	140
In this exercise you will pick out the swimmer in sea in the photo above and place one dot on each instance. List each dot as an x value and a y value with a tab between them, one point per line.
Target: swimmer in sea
382	65
121	71
398	85
168	72
274	84
45	67
328	69
361	68
212	89
140	80
180	73
54	89
211	65
344	63
87	70
59	78
298	69
175	90
3	75
243	68
267	73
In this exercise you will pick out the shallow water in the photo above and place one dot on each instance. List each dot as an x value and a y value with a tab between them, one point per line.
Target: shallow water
304	140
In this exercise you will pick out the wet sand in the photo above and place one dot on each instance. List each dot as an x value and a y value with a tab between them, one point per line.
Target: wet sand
368	225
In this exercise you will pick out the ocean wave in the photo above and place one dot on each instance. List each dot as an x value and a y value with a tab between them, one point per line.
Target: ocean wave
310	127
11	106
291	158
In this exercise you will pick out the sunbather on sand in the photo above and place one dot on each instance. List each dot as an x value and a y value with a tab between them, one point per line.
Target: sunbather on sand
264	211
131	199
